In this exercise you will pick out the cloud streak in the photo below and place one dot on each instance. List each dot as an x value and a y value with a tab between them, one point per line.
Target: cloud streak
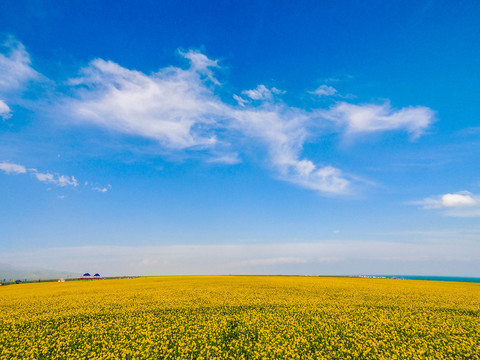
15	73
370	118
262	93
55	179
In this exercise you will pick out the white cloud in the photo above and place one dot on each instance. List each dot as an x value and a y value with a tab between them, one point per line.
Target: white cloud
241	101
176	108
44	177
367	118
5	111
173	106
324	90
15	72
201	64
56	179
63	180
179	109
460	204
459	200
15	67
102	189
283	131
455	200
10	168
261	92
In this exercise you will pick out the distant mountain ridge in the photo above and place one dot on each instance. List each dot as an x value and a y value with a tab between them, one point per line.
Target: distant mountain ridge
13	272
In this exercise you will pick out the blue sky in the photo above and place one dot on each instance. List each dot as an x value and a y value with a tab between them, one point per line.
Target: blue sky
245	137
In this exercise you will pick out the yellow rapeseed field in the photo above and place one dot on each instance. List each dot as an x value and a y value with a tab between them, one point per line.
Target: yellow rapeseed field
235	317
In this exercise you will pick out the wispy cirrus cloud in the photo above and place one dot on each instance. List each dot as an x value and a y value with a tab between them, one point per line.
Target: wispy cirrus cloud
225	158
283	130
324	90
459	204
5	111
261	92
370	118
181	110
15	72
15	66
201	64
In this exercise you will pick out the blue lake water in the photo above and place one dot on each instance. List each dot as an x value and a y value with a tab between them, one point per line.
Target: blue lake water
433	278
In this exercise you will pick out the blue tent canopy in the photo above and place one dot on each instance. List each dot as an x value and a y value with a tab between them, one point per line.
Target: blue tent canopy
87	274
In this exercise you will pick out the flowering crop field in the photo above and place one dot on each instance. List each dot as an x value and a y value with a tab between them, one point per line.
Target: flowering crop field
241	317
